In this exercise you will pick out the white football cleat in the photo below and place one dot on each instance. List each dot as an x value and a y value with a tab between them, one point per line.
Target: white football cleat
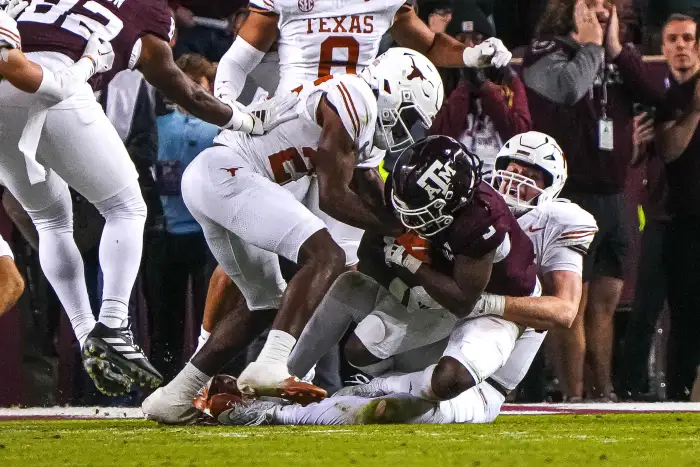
373	389
166	406
249	412
274	380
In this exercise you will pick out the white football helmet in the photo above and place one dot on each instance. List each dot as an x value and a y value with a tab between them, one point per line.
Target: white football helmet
409	91
533	149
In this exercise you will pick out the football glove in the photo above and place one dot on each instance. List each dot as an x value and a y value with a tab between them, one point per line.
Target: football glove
397	254
490	52
100	52
14	7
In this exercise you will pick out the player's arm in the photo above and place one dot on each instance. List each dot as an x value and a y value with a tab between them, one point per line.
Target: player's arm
335	166
461	291
445	51
411	32
256	36
158	67
557	308
369	185
11	282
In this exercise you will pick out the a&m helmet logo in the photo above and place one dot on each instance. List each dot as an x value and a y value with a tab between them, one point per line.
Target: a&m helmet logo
305	6
436	180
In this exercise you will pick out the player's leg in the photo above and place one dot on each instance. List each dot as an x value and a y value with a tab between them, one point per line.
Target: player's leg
83	147
350	299
391	330
50	207
476	349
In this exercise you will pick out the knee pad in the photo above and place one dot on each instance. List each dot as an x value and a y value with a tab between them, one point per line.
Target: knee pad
58	217
127	204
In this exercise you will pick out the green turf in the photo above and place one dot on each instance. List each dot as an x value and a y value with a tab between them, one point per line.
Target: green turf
602	440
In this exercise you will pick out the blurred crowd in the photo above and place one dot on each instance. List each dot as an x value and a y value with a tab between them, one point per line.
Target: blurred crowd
616	87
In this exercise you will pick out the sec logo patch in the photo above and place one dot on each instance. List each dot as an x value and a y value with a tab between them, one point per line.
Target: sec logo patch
305	6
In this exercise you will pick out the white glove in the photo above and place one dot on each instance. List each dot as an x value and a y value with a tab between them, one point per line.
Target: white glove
242	120
396	254
275	111
490	52
100	52
489	304
15	7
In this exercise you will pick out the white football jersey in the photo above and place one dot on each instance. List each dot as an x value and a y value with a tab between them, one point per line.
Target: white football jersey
561	233
287	152
321	37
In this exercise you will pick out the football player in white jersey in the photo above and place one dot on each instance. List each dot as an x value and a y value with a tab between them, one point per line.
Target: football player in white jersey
36	79
235	191
318	37
530	172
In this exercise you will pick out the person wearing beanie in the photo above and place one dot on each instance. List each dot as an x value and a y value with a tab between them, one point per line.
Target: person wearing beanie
488	106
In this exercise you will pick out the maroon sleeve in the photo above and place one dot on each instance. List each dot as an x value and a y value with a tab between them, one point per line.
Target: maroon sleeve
482	225
451	119
512	119
639	80
156	19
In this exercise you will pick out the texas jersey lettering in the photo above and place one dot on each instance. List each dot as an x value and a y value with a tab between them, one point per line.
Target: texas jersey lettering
320	37
64	26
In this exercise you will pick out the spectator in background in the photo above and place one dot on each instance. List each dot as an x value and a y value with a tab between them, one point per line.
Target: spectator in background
650	290
489	105
678	141
205	26
437	14
582	83
180	256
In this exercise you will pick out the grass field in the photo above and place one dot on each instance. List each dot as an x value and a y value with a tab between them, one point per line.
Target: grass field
639	440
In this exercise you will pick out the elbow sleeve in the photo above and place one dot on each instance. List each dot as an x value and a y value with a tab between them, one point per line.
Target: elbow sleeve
236	64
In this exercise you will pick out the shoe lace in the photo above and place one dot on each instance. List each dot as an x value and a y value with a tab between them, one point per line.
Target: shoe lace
358	379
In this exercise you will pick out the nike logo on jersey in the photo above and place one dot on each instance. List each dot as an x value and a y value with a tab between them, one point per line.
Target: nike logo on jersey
533	230
232	170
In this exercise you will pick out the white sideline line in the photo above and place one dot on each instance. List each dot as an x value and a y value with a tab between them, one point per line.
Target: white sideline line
134	413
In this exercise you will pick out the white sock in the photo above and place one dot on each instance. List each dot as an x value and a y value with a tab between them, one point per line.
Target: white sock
189	381
62	264
201	340
121	246
417	384
277	348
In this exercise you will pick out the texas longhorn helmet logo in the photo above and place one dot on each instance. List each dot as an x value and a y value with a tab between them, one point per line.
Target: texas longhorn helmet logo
415	72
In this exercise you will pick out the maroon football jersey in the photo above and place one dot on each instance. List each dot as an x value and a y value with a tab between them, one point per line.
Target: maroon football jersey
64	26
480	228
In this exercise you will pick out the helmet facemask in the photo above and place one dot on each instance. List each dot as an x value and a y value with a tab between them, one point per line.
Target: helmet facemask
427	220
395	124
511	185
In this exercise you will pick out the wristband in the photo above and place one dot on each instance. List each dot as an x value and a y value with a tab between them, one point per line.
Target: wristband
411	263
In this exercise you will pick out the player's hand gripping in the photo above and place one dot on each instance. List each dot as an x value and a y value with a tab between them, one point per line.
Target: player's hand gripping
409	251
100	52
491	52
263	115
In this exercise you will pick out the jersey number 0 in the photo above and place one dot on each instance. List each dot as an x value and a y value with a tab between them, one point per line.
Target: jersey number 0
332	43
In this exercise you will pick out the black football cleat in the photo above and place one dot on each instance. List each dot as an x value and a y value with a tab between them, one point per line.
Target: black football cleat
112	359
